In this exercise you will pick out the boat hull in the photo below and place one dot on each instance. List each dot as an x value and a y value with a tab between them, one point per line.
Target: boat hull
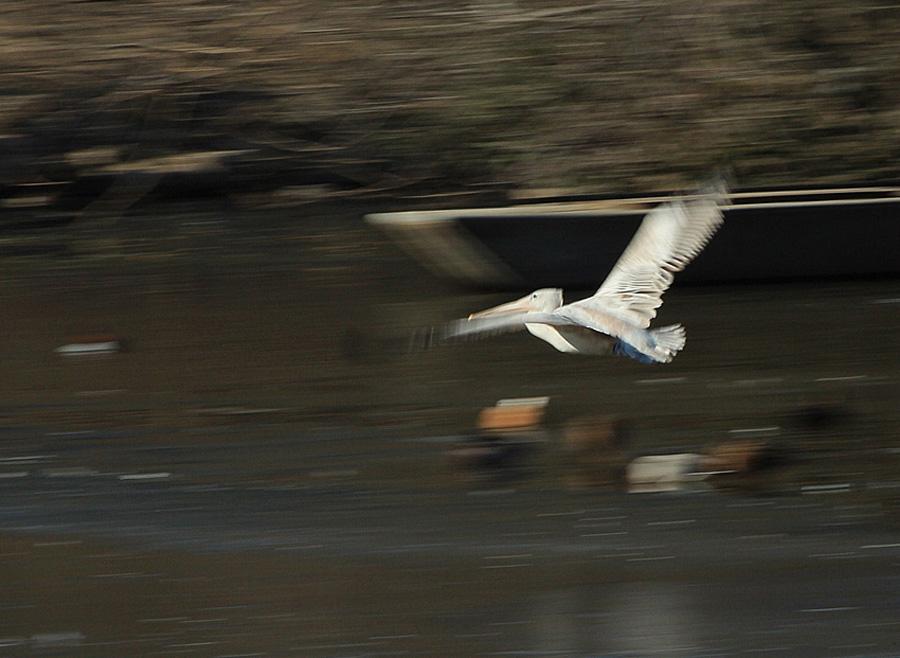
765	236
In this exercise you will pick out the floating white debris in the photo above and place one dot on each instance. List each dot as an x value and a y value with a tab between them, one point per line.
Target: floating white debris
771	429
845	378
74	472
656	473
660	380
27	459
64	639
86	345
540	401
146	476
825	488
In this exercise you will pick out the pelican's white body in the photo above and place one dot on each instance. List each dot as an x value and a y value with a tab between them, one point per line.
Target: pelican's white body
591	331
574	340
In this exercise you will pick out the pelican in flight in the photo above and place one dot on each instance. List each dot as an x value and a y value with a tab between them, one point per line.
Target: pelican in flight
616	318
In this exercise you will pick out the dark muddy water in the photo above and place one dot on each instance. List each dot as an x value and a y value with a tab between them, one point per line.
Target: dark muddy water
243	481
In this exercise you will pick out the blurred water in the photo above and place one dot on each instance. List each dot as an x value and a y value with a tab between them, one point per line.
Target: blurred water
241	481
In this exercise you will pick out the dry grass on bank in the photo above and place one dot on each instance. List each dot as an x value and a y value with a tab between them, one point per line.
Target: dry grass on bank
614	96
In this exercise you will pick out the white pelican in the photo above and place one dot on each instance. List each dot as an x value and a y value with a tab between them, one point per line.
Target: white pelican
616	319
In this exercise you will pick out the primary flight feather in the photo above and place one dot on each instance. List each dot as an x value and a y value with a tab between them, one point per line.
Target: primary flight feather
616	319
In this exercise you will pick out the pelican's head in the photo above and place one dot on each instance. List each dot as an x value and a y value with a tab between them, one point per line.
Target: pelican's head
545	300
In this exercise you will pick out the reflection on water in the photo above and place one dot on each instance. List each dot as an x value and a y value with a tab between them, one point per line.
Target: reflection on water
649	619
705	618
636	618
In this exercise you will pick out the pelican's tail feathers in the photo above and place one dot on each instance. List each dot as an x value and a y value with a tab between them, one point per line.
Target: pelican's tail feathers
668	341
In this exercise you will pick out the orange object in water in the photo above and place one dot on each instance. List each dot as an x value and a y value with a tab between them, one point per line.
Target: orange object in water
514	414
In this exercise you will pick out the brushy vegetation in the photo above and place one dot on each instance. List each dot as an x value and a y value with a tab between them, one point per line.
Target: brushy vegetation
612	96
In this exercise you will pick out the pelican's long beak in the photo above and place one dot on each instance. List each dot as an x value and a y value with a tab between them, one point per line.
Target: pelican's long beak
519	306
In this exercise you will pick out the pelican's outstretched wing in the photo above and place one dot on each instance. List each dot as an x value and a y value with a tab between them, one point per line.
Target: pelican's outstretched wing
475	328
669	237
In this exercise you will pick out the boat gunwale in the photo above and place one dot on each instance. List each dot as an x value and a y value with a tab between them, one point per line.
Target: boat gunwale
627	207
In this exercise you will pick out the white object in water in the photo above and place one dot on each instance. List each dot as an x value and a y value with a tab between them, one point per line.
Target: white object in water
90	345
655	473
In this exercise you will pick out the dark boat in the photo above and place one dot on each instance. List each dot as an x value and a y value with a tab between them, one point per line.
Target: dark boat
767	235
